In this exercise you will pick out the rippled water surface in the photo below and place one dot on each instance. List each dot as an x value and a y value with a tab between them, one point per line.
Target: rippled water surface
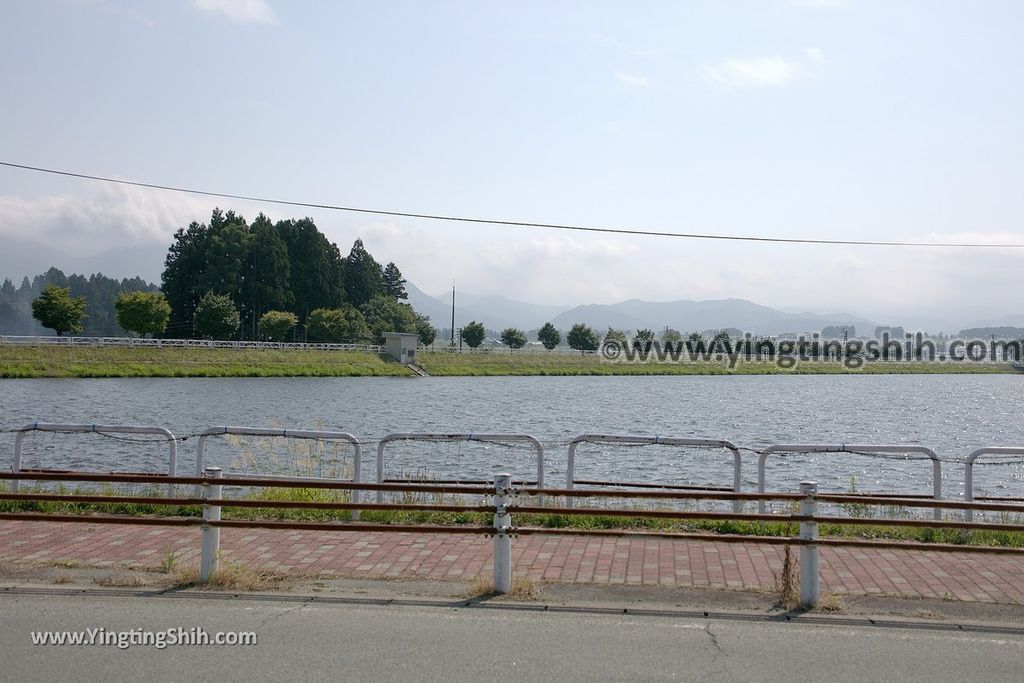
952	414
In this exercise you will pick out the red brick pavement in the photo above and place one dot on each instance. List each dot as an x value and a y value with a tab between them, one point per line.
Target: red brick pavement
569	559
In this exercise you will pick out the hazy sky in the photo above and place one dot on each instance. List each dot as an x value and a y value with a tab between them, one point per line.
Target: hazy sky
796	118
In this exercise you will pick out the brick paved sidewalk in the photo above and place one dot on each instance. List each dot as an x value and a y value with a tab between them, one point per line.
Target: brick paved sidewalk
653	562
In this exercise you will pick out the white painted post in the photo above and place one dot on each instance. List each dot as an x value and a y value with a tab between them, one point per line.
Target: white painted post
211	534
502	541
810	579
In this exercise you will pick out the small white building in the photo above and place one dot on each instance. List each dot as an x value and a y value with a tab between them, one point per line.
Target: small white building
401	346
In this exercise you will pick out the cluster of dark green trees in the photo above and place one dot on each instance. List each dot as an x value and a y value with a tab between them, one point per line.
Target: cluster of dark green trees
582	337
99	316
285	280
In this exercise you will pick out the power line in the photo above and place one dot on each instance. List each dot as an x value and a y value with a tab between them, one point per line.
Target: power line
508	223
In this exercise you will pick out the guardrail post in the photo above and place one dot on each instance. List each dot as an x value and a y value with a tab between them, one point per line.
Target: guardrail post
810	579
502	540
211	534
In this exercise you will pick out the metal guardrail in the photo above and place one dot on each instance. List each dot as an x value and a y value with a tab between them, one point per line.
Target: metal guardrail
22	340
969	468
570	470
286	433
486	438
502	528
855	449
172	464
571	480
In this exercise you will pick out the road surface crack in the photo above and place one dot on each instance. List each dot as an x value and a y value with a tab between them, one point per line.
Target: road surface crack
278	615
714	640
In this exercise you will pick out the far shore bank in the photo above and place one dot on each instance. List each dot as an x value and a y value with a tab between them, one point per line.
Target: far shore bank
95	362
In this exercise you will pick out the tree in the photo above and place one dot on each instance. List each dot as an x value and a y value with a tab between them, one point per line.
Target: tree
425	330
513	338
643	339
582	338
473	334
142	312
274	325
384	314
227	268
315	267
695	342
288	266
344	325
549	336
394	283
100	292
364	278
186	258
670	336
617	336
216	316
722	342
58	310
268	288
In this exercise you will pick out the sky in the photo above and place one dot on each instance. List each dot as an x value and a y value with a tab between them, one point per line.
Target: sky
841	119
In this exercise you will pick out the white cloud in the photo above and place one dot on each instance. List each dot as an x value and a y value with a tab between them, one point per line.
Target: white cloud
632	80
115	215
756	72
246	11
764	72
1004	237
815	55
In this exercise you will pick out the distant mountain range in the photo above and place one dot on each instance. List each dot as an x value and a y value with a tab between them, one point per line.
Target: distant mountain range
498	312
21	257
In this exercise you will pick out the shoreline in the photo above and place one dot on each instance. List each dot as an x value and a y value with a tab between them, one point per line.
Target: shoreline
29	362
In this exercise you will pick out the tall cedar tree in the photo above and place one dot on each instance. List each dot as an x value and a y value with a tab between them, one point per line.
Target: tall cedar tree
364	278
394	283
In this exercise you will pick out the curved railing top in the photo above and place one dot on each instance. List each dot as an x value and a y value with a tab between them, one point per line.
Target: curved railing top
485	437
172	441
286	433
994	450
849	448
969	468
98	428
854	449
652	440
468	436
294	433
656	440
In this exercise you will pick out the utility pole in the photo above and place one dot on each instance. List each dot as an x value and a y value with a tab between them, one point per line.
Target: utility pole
453	314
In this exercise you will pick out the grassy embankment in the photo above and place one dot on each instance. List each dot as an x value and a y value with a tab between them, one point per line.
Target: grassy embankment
48	361
596	521
505	363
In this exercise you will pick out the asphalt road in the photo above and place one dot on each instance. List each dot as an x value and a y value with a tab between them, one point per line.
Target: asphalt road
346	639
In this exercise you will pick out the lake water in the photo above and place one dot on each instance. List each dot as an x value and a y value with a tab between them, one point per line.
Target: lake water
952	414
